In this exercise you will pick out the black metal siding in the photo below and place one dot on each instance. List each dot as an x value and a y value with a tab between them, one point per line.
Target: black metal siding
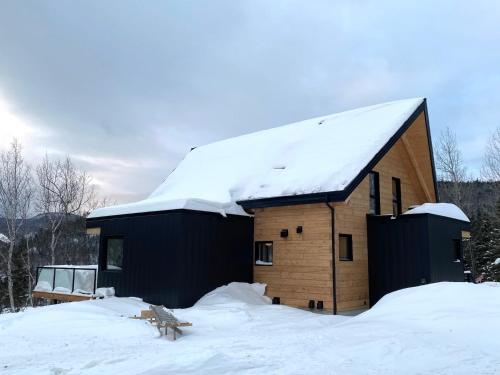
443	263
411	250
397	254
173	258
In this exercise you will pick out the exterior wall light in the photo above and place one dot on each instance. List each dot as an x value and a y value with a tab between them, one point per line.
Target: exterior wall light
299	229
284	233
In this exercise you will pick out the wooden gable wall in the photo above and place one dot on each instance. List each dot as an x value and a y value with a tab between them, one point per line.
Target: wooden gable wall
302	267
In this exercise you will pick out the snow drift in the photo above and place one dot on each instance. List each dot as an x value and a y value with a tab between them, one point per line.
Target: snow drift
444	328
252	294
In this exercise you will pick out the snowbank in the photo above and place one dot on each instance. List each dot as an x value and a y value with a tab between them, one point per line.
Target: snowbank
105	292
439	329
312	156
252	294
440	209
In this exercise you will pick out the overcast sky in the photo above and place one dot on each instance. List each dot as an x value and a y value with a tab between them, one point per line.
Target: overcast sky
128	87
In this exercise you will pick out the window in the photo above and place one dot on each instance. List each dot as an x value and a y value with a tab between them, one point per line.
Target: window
457	250
374	194
114	253
264	253
396	196
345	247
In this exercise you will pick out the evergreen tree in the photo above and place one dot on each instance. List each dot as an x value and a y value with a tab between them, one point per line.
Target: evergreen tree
485	244
495	266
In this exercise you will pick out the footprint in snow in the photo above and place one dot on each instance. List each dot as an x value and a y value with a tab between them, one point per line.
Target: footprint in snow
91	364
58	370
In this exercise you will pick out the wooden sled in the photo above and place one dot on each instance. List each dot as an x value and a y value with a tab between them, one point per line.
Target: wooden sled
162	318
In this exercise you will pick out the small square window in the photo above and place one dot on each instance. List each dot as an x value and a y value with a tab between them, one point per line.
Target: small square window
345	247
264	253
114	253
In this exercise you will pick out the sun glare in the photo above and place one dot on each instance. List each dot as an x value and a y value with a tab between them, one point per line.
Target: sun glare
11	126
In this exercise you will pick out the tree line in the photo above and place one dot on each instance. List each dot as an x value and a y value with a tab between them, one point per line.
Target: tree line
42	221
478	198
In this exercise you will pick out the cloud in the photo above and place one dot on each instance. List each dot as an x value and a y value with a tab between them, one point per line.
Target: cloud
129	87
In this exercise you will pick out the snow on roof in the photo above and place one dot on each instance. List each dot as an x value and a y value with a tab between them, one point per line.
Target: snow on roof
322	154
441	209
4	238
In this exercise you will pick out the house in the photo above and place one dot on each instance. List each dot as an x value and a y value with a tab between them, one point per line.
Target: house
287	206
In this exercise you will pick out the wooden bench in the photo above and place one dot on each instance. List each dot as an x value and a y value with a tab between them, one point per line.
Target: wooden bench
162	318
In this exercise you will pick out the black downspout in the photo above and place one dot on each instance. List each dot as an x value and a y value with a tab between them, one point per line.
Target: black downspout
334	268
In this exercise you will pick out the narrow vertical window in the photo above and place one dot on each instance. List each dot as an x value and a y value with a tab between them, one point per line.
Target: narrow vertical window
457	250
114	253
396	196
264	253
374	193
345	247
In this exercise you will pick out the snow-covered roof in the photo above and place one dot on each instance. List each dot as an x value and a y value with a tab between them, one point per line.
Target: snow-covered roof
441	209
323	154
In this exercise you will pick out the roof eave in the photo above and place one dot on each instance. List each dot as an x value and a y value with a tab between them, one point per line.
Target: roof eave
290	200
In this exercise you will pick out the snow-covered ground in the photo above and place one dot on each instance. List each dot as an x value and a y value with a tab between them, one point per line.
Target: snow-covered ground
445	328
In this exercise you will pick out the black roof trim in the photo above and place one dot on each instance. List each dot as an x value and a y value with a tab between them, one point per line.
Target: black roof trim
290	200
466	224
431	153
342	195
90	221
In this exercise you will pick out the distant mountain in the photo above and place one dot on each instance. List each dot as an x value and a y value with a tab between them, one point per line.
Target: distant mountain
33	224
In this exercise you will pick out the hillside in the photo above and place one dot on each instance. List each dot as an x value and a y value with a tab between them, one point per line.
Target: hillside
34	223
479	196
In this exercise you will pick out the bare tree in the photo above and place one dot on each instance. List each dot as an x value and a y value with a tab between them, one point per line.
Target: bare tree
63	190
491	162
450	166
97	202
15	199
29	270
